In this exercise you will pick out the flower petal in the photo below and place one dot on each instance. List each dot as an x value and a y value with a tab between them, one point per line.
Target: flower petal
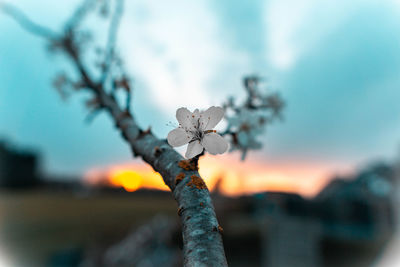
196	113
184	117
178	137
194	148
210	118
215	144
195	120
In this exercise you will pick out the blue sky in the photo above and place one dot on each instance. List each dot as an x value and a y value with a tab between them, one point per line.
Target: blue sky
336	63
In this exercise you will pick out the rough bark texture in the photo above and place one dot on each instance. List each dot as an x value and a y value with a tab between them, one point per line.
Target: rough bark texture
202	241
201	235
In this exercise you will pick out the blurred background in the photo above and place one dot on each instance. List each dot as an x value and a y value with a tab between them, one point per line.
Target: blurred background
323	191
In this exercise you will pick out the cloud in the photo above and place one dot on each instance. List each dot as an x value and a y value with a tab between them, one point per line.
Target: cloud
294	27
335	60
174	49
342	91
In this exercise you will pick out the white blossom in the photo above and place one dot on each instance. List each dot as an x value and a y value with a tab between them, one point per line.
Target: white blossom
196	130
247	125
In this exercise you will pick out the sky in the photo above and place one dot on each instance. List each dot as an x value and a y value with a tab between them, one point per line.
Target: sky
335	63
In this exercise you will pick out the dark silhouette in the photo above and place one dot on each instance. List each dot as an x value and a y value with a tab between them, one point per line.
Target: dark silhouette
18	169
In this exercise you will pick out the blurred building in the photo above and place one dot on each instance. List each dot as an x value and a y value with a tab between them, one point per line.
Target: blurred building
18	169
364	201
348	224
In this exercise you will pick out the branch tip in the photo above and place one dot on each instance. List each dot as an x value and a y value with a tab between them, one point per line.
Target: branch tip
180	210
218	229
158	151
144	133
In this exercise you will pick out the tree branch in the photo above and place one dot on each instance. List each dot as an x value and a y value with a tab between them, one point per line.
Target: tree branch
201	235
112	36
26	23
79	14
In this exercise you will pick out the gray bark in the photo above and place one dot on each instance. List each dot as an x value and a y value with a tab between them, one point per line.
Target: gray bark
201	235
202	241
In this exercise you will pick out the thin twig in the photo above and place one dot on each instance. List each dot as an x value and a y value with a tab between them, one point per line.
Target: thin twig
202	245
26	23
79	14
112	38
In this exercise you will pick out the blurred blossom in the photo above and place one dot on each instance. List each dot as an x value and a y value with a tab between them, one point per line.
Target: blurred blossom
248	125
379	186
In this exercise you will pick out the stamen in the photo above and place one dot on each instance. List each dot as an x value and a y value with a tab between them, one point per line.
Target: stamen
171	124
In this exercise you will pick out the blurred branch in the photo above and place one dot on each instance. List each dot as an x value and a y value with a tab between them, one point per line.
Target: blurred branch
80	13
26	23
112	37
248	120
143	246
202	240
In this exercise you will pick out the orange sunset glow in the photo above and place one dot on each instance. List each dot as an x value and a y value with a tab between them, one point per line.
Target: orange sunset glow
235	177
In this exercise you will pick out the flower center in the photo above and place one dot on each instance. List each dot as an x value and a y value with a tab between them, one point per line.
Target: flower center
245	127
198	134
